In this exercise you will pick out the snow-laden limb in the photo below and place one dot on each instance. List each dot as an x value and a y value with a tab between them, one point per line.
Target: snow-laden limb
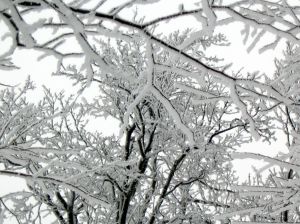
92	199
22	25
78	27
274	161
211	17
282	157
254	22
181	71
204	68
98	170
194	90
287	207
275	201
239	212
174	114
131	107
208	97
271	91
243	107
191	39
9	121
257	189
12	33
7	65
145	89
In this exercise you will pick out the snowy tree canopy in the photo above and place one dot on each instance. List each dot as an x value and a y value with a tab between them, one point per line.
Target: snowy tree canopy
182	112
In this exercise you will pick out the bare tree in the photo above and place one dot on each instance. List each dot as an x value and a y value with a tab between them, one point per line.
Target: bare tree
83	177
181	114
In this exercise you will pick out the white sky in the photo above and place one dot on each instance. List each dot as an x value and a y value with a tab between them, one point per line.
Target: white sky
40	72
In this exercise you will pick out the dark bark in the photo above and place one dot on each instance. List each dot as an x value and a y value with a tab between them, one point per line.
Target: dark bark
285	214
149	194
167	185
142	166
131	192
55	210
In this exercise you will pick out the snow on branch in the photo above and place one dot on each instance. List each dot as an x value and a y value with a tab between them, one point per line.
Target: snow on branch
243	107
174	114
239	212
92	199
12	33
274	161
25	29
254	22
145	90
78	27
211	17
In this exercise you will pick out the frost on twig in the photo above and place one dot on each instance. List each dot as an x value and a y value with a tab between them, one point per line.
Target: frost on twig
243	107
182	113
174	114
